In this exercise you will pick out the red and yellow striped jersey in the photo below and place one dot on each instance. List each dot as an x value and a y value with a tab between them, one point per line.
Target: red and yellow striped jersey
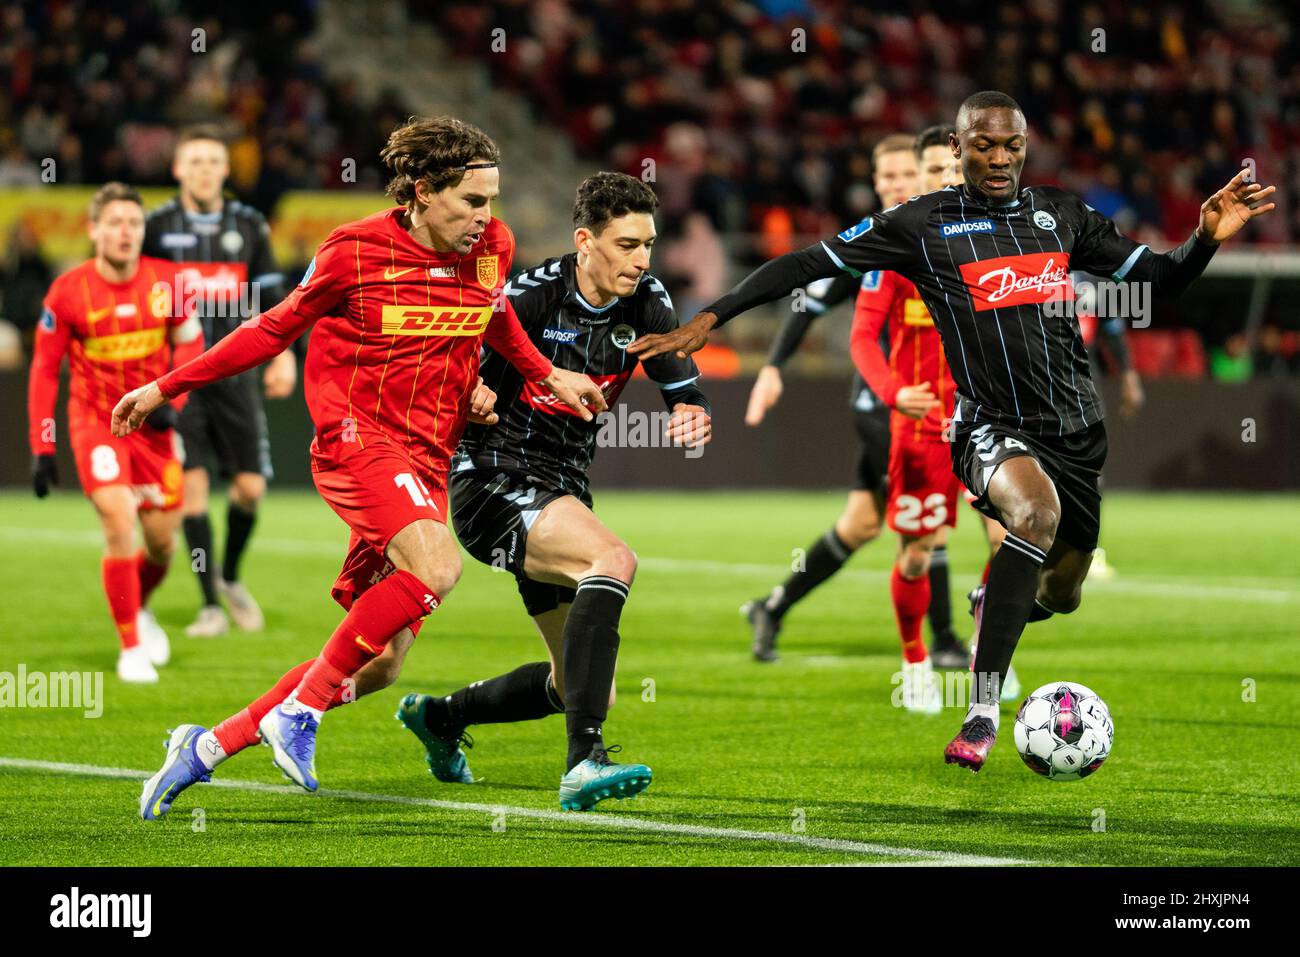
394	352
115	335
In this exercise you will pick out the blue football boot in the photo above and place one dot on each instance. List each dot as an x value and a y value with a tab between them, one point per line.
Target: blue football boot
291	736
181	768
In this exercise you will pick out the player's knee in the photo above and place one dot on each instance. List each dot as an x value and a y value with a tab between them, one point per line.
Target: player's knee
616	562
119	532
1033	521
160	552
441	576
914	560
855	530
247	490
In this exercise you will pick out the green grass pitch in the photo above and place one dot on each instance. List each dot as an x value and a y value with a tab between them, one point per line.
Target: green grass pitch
801	762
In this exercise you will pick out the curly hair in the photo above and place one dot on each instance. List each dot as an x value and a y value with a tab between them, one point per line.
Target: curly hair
430	149
605	196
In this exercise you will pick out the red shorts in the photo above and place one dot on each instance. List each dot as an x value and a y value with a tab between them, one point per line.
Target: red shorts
922	487
148	461
378	488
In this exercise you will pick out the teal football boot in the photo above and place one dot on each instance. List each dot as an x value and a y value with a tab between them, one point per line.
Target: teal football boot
444	756
591	781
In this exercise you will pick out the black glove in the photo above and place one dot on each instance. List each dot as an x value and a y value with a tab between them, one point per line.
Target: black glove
45	472
162	418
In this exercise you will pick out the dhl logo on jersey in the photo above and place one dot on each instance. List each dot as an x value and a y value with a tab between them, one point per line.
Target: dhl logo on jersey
435	320
124	345
915	313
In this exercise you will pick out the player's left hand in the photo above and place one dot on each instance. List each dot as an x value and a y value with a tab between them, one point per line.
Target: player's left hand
281	376
481	404
577	391
683	340
690	425
1131	396
134	407
1224	213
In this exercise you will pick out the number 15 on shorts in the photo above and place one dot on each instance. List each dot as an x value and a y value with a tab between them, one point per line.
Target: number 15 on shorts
415	488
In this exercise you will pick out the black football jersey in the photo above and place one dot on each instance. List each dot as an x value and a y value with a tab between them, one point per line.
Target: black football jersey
985	273
536	432
221	256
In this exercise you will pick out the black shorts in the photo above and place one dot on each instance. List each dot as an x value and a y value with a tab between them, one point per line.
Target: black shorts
1073	462
873	460
492	511
224	424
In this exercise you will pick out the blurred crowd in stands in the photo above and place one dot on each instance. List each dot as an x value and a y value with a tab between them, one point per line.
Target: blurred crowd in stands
101	89
758	117
1141	108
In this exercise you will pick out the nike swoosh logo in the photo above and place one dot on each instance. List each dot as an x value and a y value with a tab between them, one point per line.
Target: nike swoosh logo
391	273
97	314
157	805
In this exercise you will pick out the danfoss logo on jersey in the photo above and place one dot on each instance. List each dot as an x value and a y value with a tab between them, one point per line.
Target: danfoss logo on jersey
435	320
537	396
1018	280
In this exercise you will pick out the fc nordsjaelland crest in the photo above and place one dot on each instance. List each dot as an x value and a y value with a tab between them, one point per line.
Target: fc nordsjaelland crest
486	269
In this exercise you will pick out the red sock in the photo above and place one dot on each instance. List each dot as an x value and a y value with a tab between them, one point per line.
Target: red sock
122	587
239	731
398	601
150	574
911	600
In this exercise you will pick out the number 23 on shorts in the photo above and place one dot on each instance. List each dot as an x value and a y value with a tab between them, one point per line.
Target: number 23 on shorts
912	514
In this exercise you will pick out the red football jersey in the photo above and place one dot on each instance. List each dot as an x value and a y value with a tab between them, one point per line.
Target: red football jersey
116	338
394	353
915	351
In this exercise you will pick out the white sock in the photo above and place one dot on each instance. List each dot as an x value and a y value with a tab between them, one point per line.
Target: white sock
989	711
291	705
209	750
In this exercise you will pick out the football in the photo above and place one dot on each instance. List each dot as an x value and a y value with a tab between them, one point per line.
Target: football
1064	731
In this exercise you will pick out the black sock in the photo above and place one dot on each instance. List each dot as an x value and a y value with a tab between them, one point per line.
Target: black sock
590	652
823	560
239	526
198	536
524	694
1008	600
940	612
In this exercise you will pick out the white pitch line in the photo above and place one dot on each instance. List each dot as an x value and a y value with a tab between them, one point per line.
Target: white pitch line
922	856
1192	588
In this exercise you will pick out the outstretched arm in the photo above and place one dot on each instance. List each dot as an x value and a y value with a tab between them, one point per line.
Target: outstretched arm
772	280
506	336
1103	251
